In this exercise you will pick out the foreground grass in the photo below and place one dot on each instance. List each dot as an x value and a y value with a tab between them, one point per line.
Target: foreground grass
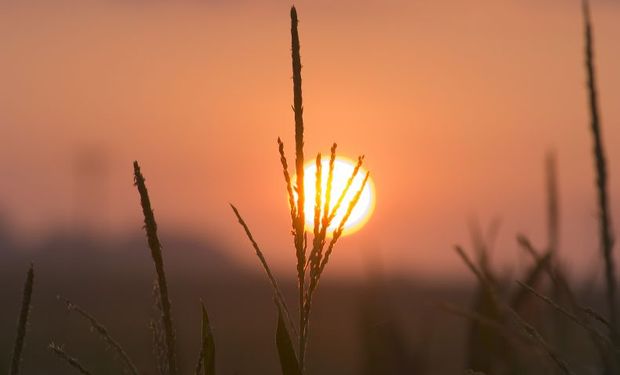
502	331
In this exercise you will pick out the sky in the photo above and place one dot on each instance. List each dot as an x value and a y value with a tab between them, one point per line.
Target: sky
454	104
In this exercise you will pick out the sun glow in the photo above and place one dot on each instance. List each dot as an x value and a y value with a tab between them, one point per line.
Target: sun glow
343	169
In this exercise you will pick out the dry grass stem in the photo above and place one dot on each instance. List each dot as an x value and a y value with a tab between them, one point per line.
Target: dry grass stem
310	264
104	334
472	267
71	361
498	327
300	236
278	293
159	345
338	232
299	110
601	172
328	190
318	260
556	276
566	313
150	227
532	277
289	186
526	245
360	161
318	197
595	315
553	210
551	353
22	323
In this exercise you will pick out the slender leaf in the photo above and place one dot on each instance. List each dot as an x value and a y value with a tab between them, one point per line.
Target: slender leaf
288	359
208	345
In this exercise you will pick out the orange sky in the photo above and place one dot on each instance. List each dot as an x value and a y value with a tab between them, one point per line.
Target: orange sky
454	103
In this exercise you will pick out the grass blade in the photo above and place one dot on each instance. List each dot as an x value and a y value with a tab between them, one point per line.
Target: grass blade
583	324
338	232
71	361
300	222
601	172
595	315
159	345
344	192
299	119
286	353
485	345
474	316
553	210
328	190
104	334
278	293
150	227
317	202
289	186
532	277
551	353
208	344
22	322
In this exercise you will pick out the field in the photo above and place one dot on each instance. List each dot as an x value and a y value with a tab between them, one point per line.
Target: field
170	301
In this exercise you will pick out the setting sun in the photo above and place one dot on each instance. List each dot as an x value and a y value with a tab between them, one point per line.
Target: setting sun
343	169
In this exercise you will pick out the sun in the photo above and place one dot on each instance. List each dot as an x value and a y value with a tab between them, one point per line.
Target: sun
343	169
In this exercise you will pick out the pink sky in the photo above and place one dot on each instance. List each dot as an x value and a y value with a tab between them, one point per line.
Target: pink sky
454	103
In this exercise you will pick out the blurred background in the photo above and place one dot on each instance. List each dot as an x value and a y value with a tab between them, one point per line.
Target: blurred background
455	105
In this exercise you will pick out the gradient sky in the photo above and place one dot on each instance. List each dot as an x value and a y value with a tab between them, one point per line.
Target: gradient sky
454	103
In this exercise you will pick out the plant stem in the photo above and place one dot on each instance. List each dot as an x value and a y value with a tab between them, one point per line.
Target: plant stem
601	173
300	242
150	227
22	323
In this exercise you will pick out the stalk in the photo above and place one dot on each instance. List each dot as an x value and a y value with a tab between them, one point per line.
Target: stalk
601	173
150	226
